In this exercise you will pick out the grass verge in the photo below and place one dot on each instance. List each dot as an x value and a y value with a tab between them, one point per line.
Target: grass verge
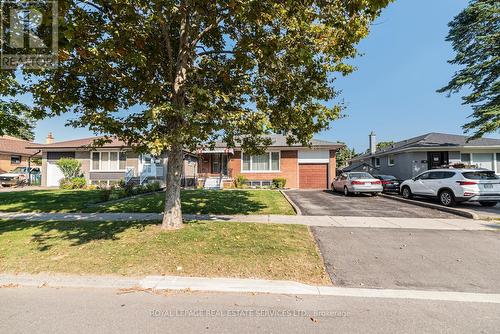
207	249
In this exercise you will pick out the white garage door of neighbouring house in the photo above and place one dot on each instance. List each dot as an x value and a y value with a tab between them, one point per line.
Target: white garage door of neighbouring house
483	160
54	174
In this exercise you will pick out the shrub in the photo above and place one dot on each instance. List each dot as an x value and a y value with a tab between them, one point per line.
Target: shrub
279	182
106	194
240	181
153	186
73	183
69	167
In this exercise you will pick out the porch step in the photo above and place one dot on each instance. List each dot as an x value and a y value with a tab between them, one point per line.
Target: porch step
212	183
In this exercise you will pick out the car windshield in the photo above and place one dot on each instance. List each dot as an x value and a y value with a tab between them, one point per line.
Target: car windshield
18	170
356	176
481	175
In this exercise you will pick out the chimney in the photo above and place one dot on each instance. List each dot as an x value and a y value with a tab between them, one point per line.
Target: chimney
50	138
373	142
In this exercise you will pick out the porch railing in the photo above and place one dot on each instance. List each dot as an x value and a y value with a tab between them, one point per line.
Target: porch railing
129	174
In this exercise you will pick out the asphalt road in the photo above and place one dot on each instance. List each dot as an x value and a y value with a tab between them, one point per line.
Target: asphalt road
328	203
48	310
465	261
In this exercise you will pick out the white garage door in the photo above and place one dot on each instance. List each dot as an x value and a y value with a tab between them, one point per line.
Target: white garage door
54	174
483	160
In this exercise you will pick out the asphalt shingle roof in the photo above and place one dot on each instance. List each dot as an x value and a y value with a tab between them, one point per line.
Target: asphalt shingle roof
10	144
280	141
433	139
81	143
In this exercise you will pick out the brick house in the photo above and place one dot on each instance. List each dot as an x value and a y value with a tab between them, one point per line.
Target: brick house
109	163
302	167
311	167
13	153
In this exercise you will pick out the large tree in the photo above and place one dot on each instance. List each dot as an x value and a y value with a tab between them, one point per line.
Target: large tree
15	117
475	37
168	75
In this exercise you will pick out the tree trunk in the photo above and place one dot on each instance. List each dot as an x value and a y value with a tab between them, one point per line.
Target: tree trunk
172	216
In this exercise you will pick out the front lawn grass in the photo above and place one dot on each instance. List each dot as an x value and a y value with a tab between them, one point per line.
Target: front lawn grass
48	200
228	202
211	249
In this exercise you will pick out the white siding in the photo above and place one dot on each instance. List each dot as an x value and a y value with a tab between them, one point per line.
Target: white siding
314	156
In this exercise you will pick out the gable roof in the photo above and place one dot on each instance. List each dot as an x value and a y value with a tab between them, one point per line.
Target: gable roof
15	145
280	141
430	140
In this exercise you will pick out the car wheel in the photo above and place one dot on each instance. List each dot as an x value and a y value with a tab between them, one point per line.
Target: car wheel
487	203
446	198
375	194
406	192
346	191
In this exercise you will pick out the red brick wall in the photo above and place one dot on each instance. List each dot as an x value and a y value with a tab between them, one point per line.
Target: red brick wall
288	167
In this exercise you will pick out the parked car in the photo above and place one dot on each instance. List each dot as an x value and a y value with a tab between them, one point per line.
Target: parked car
389	183
17	176
450	186
356	183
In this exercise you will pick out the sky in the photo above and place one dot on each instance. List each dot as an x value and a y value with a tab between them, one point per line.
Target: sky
393	91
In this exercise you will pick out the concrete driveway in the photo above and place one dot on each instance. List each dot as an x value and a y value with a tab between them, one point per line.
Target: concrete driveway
328	203
411	259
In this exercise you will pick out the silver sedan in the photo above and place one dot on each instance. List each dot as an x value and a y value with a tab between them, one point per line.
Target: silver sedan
356	183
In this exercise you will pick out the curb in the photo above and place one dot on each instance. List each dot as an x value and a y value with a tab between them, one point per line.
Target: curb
455	211
235	285
294	206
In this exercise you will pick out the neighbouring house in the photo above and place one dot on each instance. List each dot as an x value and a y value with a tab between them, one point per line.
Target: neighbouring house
311	167
407	158
13	153
108	164
361	167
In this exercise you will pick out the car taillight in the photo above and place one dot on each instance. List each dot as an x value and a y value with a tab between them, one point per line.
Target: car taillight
466	183
386	182
377	182
356	182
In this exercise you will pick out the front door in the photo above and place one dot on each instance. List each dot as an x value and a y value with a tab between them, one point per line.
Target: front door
219	164
437	159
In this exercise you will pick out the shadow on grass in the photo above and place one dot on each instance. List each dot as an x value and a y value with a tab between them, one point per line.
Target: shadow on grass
48	200
49	233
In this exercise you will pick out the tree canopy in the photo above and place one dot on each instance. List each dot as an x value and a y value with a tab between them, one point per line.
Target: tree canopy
174	74
475	37
15	117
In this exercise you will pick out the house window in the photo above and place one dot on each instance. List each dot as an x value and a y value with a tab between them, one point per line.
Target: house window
269	161
390	160
15	159
376	162
109	161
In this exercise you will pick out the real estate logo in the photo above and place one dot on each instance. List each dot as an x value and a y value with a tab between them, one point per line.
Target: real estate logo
29	34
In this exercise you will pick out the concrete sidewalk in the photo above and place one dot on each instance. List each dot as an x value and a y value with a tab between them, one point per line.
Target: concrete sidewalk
235	285
330	221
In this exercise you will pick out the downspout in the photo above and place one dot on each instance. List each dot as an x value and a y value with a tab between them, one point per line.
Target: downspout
29	166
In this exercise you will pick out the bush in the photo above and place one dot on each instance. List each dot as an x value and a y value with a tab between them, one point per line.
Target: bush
153	186
73	183
106	194
279	182
69	167
240	181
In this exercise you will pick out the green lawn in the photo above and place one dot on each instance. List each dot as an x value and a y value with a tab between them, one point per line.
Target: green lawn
48	200
229	202
212	249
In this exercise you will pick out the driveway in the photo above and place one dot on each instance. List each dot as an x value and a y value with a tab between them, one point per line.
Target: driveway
328	203
411	259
